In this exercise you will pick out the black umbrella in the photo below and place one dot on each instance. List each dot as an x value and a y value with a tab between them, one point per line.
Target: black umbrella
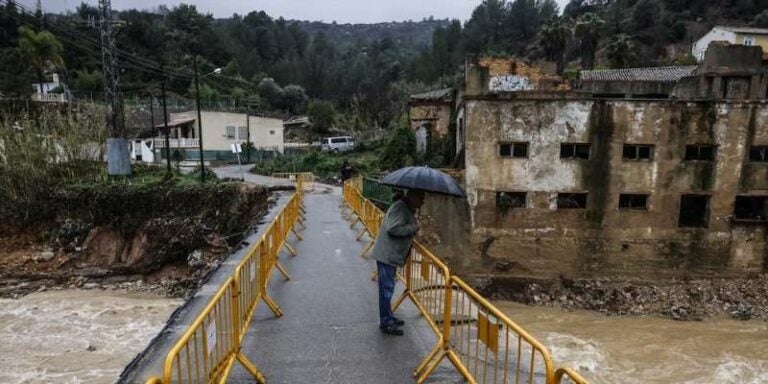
425	179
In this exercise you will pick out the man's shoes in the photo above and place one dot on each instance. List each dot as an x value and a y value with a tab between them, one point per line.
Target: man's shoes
398	322
391	330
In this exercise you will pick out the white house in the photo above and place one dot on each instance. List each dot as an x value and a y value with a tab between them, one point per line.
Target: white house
220	131
46	94
731	35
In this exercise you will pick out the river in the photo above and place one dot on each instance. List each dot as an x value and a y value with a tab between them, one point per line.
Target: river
630	349
76	336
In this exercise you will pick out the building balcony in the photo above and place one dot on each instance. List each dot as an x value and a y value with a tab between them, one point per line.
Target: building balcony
177	143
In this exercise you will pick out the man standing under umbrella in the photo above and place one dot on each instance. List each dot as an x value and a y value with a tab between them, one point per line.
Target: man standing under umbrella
391	249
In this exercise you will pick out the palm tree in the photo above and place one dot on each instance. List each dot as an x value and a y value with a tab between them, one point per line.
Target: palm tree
588	31
41	50
555	35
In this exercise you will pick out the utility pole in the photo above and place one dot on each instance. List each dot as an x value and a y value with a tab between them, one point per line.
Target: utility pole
248	130
118	156
199	121
165	117
152	121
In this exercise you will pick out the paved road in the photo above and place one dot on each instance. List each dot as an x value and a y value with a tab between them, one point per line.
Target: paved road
329	332
233	171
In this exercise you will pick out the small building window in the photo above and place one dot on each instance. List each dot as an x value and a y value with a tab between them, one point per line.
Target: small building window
242	133
694	211
230	132
511	199
638	152
271	132
754	208
574	151
633	202
758	153
513	149
571	200
749	41
700	152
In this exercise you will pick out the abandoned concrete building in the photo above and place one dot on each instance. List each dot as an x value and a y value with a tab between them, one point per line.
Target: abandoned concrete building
645	173
430	115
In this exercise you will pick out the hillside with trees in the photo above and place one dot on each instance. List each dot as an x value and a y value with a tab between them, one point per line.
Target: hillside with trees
365	71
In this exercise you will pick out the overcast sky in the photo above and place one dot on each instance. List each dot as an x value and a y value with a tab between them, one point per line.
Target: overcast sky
342	11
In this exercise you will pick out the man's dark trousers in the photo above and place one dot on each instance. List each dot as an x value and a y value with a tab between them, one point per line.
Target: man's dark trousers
386	289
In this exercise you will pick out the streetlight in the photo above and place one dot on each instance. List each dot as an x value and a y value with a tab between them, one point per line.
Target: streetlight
199	116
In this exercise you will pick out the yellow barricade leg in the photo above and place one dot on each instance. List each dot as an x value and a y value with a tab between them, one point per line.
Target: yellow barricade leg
282	270
251	369
366	250
293	230
272	305
291	250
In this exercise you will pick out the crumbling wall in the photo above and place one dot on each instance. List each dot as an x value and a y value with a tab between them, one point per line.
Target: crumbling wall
436	115
541	240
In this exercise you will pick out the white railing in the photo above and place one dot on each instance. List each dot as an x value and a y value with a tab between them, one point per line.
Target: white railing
177	143
50	97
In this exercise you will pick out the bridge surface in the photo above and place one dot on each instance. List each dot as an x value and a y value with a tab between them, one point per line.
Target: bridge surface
329	331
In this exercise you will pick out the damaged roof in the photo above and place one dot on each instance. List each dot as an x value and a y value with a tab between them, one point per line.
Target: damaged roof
660	74
438	95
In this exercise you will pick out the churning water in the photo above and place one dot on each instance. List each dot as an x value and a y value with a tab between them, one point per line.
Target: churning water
630	349
76	336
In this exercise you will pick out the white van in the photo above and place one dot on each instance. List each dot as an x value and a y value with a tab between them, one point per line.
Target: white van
337	144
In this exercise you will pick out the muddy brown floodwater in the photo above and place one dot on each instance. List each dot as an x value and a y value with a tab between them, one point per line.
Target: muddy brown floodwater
628	350
76	336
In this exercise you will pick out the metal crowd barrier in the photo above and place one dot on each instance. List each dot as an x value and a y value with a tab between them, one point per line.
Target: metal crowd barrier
569	375
307	178
482	343
208	350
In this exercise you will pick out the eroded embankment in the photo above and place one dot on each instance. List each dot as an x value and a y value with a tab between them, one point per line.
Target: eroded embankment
162	237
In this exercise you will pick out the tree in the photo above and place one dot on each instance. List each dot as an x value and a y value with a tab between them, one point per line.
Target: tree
400	149
271	92
621	51
587	30
322	114
41	50
555	35
645	14
295	98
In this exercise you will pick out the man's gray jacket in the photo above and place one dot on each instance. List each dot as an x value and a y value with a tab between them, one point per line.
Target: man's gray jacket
395	235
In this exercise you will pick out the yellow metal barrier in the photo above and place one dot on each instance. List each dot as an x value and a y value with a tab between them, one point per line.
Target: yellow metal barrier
209	348
569	375
308	178
482	343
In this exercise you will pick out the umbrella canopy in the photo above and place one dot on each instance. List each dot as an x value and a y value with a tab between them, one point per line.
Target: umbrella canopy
425	179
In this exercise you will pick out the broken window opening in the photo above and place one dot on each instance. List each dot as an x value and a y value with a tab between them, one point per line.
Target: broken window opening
230	132
634	202
751	208
700	152
574	151
519	150
758	153
571	200
638	152
511	200
694	211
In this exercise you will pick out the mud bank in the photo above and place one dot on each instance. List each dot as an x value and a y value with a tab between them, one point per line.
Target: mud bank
694	299
162	238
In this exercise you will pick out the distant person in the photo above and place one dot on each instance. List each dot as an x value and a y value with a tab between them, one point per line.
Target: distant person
346	171
391	249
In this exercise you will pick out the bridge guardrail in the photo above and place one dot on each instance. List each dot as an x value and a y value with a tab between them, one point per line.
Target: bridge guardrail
207	351
482	343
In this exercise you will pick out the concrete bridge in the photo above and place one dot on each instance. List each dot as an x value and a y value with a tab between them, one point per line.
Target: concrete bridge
328	331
